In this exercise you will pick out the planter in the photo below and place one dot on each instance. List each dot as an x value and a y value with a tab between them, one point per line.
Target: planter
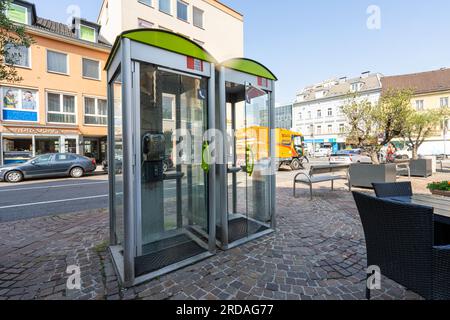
440	193
421	168
363	175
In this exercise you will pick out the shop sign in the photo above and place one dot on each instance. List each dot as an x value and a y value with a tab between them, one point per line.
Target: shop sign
41	131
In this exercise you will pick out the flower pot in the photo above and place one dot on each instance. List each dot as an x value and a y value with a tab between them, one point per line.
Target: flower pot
421	168
363	175
440	193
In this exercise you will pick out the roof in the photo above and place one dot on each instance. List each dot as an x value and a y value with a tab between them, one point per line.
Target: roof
424	82
163	39
62	29
249	66
341	87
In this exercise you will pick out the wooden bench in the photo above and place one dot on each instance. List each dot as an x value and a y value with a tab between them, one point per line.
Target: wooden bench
323	173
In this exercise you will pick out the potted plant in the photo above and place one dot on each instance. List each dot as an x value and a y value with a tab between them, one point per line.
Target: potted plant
440	188
420	125
371	127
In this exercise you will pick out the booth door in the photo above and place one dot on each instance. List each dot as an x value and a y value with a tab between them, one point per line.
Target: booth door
174	191
257	154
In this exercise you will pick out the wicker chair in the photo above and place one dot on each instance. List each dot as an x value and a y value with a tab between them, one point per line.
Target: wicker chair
399	240
399	189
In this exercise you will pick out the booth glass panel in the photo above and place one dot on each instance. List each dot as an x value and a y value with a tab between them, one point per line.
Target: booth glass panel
174	193
258	159
116	164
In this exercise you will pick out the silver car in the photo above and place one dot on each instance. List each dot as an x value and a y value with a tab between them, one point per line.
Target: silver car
48	166
349	157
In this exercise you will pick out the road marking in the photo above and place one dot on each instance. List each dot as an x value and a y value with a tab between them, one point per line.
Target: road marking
53	187
50	202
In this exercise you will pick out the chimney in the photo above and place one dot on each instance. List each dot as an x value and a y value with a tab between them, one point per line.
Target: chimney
365	74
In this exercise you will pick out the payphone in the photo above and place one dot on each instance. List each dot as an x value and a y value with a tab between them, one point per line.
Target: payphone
153	155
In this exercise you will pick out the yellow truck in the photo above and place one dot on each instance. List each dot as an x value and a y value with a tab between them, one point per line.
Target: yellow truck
253	142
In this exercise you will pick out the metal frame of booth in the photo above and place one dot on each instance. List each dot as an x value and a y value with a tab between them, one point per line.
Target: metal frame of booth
168	60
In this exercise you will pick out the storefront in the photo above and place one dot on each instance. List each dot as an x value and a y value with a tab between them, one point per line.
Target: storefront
20	144
95	148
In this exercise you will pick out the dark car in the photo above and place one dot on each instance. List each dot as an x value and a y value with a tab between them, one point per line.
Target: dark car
48	166
167	165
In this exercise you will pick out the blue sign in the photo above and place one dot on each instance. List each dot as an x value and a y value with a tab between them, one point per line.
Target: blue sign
15	115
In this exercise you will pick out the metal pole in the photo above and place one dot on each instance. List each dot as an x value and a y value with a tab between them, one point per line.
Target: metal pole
212	171
128	163
112	224
222	174
273	177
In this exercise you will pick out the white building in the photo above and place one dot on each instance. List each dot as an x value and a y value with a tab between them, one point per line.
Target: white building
215	26
317	111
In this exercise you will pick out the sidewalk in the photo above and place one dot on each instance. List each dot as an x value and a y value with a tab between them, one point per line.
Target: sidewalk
317	253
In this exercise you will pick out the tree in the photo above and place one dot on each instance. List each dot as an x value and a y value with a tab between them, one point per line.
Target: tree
419	126
12	37
374	125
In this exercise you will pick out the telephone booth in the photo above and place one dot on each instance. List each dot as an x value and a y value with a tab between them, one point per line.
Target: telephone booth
246	181
161	92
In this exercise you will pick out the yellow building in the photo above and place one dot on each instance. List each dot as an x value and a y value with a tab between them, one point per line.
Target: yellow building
60	105
431	91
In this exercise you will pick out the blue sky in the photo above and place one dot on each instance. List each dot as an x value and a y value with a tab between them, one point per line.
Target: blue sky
306	41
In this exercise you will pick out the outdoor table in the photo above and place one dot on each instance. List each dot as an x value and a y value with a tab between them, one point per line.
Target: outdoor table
441	207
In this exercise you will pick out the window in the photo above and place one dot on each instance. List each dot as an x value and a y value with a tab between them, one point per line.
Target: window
300	116
319	113
88	34
164	6
17	13
95	111
145	24
17	55
19	104
57	62
197	17
419	105
61	108
182	10
146	2
444	102
43	159
91	69
330	112
64	158
309	115
330	128
357	87
341	128
319	129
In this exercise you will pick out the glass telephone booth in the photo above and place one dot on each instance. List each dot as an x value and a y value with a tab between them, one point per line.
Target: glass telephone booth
160	86
168	202
248	176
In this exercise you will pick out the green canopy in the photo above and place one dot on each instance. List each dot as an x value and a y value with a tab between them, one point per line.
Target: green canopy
165	40
249	66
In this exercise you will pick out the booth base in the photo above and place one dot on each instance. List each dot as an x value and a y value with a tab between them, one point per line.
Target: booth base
175	249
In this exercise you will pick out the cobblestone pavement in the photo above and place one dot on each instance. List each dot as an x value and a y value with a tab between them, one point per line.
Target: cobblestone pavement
318	252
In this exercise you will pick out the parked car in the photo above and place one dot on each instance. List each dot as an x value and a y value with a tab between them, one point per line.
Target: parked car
167	165
349	157
48	166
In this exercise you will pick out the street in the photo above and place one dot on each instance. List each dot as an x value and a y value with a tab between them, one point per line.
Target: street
38	198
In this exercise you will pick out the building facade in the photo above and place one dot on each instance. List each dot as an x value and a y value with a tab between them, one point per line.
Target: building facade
283	117
317	111
60	104
431	91
216	27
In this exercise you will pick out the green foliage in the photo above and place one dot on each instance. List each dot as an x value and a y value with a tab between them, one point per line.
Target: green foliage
442	186
13	35
372	126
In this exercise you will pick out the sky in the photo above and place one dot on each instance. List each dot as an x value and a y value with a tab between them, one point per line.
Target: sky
307	41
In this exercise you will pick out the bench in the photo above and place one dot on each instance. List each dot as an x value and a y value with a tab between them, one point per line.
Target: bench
322	173
442	163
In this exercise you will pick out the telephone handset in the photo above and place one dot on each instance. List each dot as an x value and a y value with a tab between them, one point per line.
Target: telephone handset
153	156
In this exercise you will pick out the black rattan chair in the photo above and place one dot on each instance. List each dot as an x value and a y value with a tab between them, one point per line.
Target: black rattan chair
399	240
399	189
